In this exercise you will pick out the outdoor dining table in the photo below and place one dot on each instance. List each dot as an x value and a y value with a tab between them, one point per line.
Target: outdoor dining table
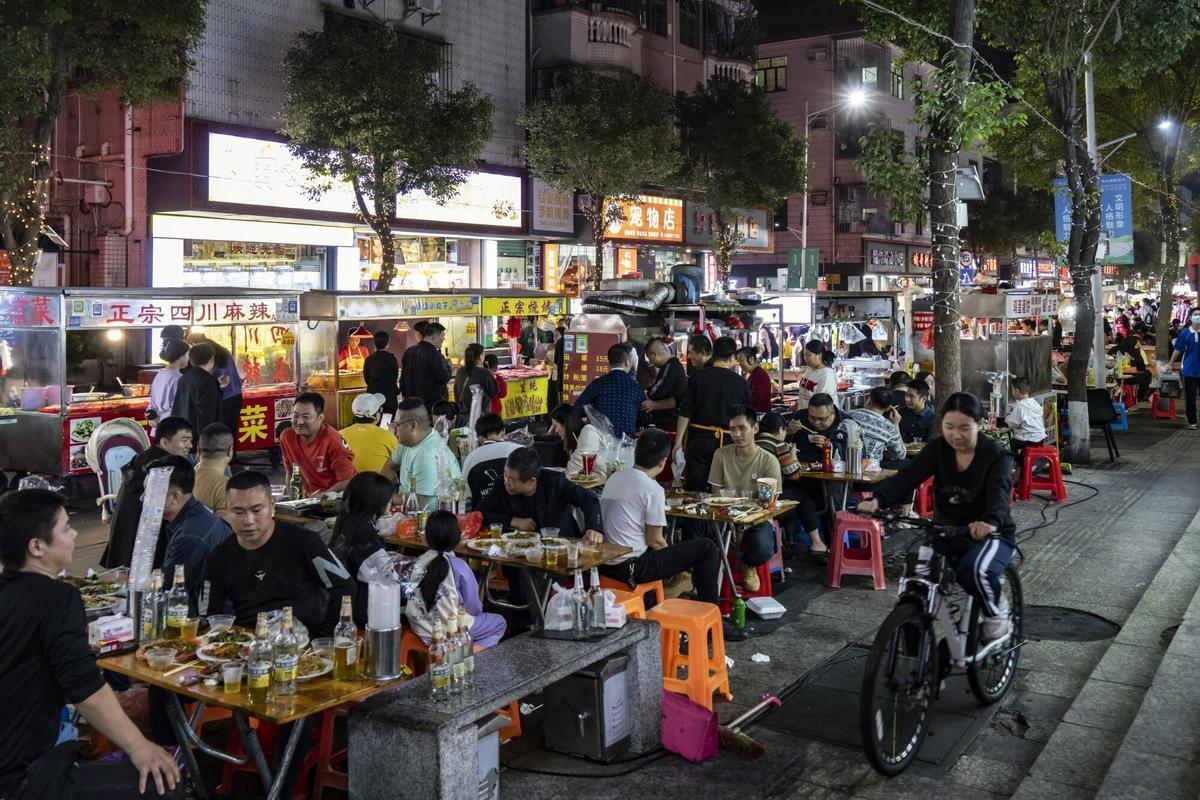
830	478
727	527
588	481
528	570
311	697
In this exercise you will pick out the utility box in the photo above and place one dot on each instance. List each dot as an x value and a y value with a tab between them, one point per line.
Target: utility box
587	713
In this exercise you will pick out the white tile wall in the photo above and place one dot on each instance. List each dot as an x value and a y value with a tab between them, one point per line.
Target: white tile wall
238	72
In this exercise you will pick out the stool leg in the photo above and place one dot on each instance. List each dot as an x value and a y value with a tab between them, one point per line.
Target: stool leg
876	540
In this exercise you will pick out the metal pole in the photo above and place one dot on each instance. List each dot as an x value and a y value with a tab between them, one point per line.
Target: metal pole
804	217
1098	342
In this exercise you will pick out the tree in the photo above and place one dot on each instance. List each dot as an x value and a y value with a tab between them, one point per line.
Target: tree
1007	221
1053	40
137	47
364	107
607	134
1158	157
736	155
954	108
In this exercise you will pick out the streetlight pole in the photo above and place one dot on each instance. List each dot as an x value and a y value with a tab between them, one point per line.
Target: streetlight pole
856	99
1099	365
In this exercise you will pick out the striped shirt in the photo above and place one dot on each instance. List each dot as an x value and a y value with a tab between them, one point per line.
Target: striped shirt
879	435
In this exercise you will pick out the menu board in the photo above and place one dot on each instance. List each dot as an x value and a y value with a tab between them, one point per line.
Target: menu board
585	358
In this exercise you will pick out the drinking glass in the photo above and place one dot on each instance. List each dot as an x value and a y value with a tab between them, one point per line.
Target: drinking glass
231	673
573	546
190	628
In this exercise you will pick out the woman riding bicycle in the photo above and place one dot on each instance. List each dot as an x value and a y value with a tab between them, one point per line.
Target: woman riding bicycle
972	477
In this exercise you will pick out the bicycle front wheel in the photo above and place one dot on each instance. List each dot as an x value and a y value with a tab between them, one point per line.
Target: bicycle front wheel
897	690
991	678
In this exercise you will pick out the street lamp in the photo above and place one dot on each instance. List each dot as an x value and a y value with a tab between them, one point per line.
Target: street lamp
857	98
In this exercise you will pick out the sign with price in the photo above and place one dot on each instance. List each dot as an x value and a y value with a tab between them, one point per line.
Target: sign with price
585	358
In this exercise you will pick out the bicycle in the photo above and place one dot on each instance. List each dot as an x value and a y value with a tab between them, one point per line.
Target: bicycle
905	670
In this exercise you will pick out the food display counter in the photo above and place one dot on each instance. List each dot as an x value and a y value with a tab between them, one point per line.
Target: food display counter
52	340
998	352
331	319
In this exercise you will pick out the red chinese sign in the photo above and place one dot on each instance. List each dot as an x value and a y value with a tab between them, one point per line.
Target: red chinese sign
23	310
585	358
922	321
103	313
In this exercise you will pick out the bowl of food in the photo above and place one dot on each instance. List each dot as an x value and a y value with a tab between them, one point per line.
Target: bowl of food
220	622
160	658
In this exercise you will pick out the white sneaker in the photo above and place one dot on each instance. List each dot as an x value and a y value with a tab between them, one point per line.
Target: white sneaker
999	626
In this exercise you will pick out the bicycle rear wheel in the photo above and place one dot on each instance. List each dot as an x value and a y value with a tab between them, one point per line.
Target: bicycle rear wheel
991	678
897	689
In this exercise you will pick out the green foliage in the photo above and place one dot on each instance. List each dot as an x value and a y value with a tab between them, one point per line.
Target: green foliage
364	106
736	154
137	47
1006	221
604	133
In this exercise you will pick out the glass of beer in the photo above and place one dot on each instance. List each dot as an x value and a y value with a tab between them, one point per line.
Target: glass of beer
190	628
556	555
231	673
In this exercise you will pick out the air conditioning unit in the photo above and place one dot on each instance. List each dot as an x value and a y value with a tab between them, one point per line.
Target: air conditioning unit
423	6
818	53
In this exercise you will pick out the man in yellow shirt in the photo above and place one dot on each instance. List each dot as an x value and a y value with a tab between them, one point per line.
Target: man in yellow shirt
371	444
216	453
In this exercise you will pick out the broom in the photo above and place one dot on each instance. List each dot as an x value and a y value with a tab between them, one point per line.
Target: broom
731	738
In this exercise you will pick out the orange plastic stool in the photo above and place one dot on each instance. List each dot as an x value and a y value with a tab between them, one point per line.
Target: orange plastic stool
864	560
924	500
1030	482
706	674
635	606
641	590
1155	413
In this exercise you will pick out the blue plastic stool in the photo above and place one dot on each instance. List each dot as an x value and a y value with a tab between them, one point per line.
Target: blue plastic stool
1123	418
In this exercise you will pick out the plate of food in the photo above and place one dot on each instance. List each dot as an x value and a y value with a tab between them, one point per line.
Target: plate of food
313	666
518	535
97	603
483	545
230	636
221	652
82	429
726	501
185	649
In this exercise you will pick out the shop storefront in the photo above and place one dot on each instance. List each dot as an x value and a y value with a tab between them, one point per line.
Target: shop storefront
894	266
106	343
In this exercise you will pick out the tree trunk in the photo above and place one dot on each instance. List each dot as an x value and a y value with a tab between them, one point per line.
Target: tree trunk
1081	256
944	144
725	246
598	225
387	246
1169	204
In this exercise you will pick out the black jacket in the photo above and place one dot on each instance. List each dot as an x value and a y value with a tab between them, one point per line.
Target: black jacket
806	450
977	494
481	377
197	399
127	510
425	373
363	542
552	505
381	371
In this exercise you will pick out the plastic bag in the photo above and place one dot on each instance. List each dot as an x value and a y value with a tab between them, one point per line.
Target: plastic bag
521	436
476	406
850	334
560	609
610	446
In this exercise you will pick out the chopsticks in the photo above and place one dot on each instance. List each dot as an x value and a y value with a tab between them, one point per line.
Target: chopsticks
180	668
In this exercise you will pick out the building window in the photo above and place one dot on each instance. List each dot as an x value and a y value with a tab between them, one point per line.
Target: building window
689	23
770	74
656	16
898	81
780	217
870	76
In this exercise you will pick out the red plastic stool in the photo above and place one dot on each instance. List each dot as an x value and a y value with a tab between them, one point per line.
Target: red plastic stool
1052	482
1129	395
331	764
924	500
864	560
764	587
1156	413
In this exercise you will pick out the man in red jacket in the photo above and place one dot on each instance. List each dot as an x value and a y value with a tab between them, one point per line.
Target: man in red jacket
757	377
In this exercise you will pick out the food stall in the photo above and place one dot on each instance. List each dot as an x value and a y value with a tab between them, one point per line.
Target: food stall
56	340
528	386
999	347
330	319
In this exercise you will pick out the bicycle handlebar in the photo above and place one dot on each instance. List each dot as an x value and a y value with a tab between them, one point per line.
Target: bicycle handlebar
941	529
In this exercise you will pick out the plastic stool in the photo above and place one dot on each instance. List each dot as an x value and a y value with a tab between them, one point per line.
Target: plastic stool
706	674
765	588
1052	483
923	504
866	559
268	735
635	606
327	775
775	564
1122	423
1157	413
641	589
1128	395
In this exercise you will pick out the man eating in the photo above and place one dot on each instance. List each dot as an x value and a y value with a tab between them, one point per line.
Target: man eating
326	463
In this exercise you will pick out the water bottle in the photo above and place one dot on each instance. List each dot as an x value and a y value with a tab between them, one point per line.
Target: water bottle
738	614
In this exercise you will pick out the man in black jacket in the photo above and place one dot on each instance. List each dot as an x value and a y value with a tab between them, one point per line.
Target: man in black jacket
534	498
381	371
172	437
198	393
426	371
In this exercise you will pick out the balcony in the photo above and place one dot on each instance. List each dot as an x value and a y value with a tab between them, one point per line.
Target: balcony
728	68
600	35
629	8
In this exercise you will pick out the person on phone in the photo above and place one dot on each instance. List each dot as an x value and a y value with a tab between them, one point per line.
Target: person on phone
880	424
972	477
45	663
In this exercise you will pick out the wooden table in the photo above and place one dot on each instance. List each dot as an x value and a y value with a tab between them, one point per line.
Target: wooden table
588	481
913	448
587	559
726	528
312	697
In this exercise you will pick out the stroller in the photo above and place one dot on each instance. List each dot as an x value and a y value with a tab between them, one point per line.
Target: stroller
111	448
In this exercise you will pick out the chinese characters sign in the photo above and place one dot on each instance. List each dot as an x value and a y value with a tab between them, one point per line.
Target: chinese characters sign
550	268
526	398
523	306
1116	215
391	306
627	263
145	312
1017	306
755	227
553	211
651	219
25	310
885	258
585	358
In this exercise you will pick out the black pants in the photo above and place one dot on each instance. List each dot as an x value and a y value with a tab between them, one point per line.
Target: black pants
811	500
1190	386
231	414
1018	447
1140	380
698	555
61	774
701	445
